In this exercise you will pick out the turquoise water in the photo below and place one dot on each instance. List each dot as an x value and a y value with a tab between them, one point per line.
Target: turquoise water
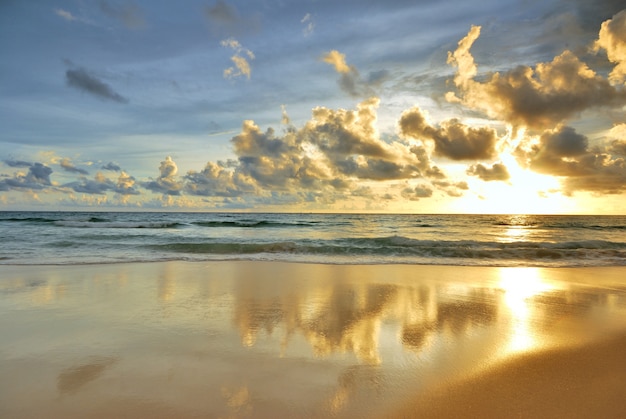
483	240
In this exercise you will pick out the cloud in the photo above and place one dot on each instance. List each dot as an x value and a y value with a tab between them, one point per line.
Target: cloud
67	165
65	15
70	17
320	162
81	79
37	178
537	97
114	167
452	138
273	162
337	60
242	65
618	147
351	145
453	189
98	186
565	153
557	151
225	20
497	172
128	14
125	185
350	80
39	173
617	140
463	59
417	192
17	163
218	181
166	183
309	25
612	38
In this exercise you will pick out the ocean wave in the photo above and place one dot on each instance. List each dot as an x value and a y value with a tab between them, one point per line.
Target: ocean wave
558	225
112	237
92	219
29	220
228	248
117	224
252	224
385	249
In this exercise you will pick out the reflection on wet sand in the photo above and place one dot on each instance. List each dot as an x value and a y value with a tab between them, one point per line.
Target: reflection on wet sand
349	318
75	377
274	340
519	314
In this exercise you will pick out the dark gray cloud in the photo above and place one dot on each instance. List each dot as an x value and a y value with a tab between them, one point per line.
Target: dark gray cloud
225	20
556	152
88	186
453	189
17	163
37	178
129	14
113	167
100	185
591	13
565	153
417	192
452	138
68	166
350	80
40	173
354	85
497	172
80	79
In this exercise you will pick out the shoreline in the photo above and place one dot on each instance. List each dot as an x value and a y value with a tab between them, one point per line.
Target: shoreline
314	263
267	339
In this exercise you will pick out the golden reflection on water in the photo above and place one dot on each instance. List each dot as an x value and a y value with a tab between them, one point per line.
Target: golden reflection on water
241	337
519	228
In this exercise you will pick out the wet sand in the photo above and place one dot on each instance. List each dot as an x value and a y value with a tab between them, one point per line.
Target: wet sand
264	339
587	381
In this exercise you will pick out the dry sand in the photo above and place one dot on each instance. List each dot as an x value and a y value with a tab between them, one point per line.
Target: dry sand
261	339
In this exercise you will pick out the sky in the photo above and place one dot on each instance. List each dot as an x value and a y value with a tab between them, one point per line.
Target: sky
323	106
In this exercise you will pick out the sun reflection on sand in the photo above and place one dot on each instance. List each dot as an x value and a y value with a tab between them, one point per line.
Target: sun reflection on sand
519	286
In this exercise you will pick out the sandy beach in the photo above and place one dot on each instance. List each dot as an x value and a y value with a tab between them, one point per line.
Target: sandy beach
268	339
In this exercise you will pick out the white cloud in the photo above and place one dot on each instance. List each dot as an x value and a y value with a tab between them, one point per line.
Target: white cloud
309	25
612	38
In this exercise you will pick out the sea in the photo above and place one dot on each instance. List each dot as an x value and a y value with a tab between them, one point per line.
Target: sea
75	238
